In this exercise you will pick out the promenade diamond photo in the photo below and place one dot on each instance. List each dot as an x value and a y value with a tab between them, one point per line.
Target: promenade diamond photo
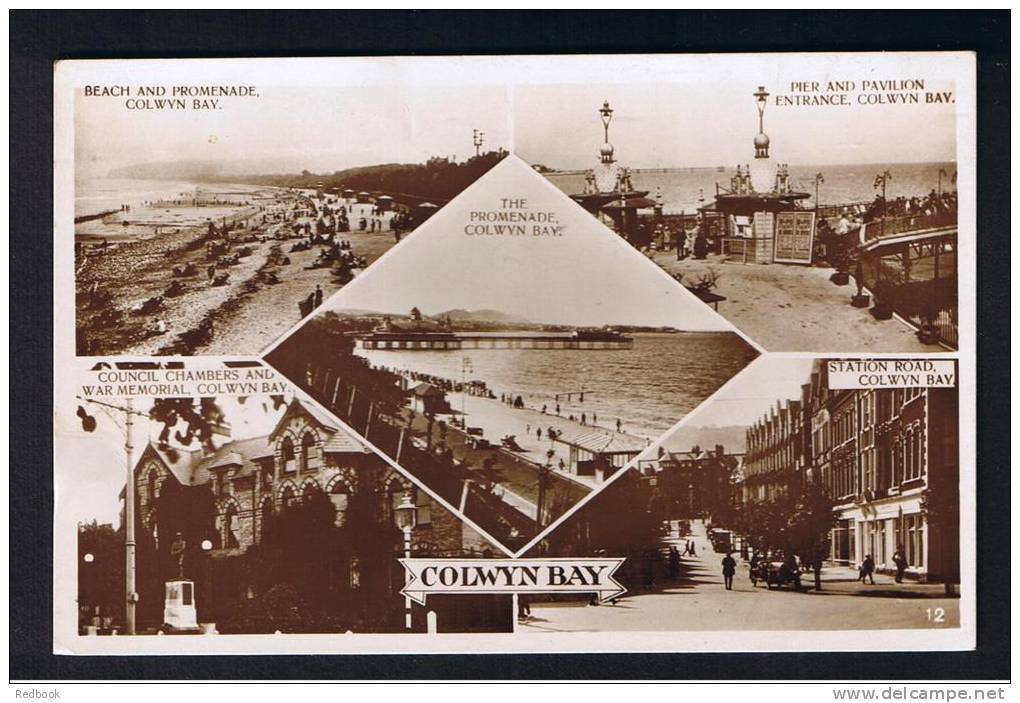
512	353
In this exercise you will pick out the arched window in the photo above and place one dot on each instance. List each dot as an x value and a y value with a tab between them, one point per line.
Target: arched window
287	454
340	497
287	497
152	485
265	515
310	491
229	538
307	451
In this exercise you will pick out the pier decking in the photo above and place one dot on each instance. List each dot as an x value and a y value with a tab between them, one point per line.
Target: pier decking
445	341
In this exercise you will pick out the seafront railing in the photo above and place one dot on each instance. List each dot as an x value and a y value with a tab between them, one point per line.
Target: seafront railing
905	224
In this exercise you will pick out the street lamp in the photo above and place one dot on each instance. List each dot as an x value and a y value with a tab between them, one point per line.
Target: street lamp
466	367
406	516
89	558
819	179
606	113
761	98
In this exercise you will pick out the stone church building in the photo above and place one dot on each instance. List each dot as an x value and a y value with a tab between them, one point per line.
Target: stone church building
307	455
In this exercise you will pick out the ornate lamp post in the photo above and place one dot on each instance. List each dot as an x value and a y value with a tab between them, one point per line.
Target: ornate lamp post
881	181
207	546
606	113
819	179
466	367
761	146
406	516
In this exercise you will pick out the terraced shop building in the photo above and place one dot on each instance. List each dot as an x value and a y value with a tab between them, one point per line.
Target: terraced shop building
300	533
890	459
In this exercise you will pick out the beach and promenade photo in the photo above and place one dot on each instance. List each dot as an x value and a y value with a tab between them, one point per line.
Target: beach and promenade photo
816	215
511	408
196	233
788	501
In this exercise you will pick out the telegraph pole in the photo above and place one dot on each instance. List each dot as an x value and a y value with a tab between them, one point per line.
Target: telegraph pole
129	519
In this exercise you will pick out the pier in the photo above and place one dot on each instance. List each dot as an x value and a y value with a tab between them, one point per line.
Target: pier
447	341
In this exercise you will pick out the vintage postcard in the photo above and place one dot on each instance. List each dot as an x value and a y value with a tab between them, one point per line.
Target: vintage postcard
509	354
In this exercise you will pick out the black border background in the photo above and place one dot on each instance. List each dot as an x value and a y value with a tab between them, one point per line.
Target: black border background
37	38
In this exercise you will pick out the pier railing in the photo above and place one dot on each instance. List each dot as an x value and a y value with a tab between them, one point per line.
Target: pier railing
905	224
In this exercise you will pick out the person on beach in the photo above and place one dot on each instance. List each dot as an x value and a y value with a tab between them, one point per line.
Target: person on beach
729	567
584	419
618	424
538	433
318	295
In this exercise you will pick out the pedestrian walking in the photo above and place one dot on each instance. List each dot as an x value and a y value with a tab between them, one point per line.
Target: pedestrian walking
868	569
729	567
523	606
674	561
901	563
318	295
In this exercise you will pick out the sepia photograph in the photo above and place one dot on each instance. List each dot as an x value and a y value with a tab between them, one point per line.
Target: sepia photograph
835	230
249	515
786	502
200	234
515	412
579	353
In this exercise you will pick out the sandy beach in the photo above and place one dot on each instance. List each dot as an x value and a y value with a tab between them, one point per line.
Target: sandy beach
787	307
247	313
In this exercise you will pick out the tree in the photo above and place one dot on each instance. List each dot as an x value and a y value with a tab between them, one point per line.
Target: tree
100	572
490	475
795	522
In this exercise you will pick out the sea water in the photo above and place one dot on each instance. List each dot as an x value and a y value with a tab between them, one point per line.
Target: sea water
648	388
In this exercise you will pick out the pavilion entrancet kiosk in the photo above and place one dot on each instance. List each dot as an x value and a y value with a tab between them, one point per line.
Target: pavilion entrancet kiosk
759	217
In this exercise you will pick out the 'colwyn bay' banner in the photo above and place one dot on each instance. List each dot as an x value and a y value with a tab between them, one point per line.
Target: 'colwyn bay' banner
593	575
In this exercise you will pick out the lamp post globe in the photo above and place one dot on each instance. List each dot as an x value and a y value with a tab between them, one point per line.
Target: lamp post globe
206	545
406	513
89	558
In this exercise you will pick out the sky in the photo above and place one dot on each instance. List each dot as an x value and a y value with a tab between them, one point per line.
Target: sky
290	129
748	397
98	459
682	121
588	277
689	124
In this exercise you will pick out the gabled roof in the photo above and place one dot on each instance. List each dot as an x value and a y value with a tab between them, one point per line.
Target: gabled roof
296	407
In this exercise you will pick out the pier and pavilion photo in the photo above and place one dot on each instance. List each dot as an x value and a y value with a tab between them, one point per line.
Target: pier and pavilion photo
807	244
